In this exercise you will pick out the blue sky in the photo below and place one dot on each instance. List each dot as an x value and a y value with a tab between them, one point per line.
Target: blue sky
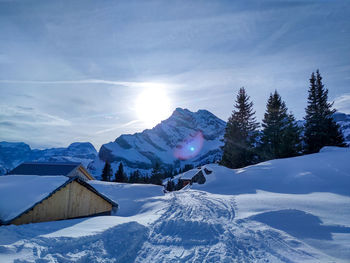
71	70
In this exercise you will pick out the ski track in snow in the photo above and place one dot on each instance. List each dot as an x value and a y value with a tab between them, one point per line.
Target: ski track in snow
201	227
195	226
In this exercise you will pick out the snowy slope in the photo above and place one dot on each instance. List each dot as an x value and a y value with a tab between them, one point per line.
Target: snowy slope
185	137
13	154
227	219
327	171
131	198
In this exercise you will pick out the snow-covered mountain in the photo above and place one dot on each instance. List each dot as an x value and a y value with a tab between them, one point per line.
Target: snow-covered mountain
12	154
185	137
344	121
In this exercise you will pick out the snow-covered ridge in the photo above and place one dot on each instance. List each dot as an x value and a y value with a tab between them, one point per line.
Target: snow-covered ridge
142	150
13	154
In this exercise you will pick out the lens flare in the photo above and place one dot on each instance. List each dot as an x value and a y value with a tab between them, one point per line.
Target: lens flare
190	147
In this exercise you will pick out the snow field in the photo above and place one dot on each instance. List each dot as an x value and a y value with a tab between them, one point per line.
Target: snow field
287	210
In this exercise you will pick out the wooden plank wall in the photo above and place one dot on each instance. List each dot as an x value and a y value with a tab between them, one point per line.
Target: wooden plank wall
73	200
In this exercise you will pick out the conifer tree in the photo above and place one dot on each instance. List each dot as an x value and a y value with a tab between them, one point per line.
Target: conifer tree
320	127
179	185
120	175
135	177
156	177
280	135
291	138
170	186
106	172
240	134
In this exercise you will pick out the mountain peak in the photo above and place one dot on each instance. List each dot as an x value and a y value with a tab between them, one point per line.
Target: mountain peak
198	116
161	143
180	112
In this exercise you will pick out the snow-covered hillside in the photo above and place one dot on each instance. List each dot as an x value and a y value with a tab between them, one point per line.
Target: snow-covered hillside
286	210
12	154
327	171
185	137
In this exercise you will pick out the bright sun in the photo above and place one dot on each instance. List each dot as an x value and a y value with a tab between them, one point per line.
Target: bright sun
153	105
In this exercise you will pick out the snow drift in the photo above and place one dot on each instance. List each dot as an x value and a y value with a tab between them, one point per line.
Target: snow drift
327	171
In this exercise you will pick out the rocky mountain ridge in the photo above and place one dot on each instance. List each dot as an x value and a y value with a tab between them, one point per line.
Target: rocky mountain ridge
184	138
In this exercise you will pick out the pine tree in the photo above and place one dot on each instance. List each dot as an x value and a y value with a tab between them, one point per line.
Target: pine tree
156	177
135	177
120	175
291	138
187	167
170	186
320	128
106	172
145	180
179	185
240	134
280	135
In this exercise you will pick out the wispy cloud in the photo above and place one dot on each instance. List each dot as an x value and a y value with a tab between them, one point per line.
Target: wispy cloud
90	81
118	127
342	103
20	115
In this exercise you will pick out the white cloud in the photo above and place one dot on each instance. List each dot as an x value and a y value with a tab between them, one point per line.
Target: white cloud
28	116
342	103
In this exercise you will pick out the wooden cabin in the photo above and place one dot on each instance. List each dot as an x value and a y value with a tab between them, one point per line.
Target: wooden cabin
194	176
69	169
184	182
30	199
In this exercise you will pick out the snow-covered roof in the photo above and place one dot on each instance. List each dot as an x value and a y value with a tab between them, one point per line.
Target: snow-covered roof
20	192
189	174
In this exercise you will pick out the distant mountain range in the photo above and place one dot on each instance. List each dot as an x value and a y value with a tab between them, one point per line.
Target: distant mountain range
12	154
184	138
344	121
